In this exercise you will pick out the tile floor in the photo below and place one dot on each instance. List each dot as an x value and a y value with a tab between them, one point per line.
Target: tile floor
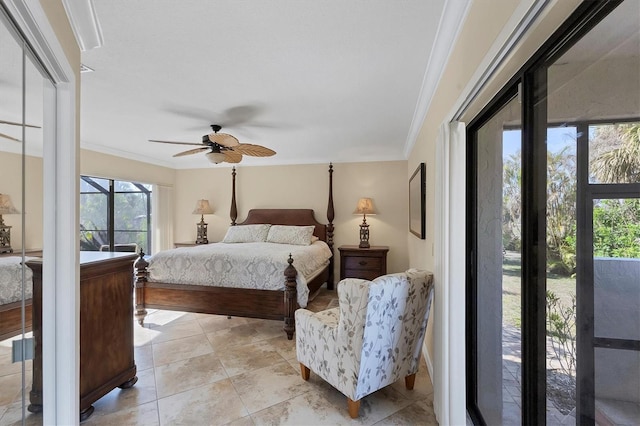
196	369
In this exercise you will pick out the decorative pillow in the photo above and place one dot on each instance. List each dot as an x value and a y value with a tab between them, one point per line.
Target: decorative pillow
298	235
247	233
314	239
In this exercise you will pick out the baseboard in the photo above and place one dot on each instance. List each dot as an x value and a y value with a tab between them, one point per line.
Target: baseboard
427	359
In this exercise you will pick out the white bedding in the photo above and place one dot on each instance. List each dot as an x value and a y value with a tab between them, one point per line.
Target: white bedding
11	280
244	265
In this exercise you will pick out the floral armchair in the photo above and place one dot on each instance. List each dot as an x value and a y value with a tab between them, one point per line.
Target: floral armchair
372	339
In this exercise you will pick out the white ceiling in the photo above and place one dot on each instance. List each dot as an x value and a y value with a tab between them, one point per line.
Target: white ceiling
316	81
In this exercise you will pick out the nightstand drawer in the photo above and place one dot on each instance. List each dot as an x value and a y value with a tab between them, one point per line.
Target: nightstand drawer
362	263
365	263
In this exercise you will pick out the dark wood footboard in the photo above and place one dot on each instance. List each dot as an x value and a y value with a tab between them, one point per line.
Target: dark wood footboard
206	299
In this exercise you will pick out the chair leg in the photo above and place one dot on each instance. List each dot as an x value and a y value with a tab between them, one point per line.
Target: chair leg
410	380
354	408
304	370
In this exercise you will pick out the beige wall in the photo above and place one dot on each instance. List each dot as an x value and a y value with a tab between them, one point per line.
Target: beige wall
483	25
304	186
279	187
97	164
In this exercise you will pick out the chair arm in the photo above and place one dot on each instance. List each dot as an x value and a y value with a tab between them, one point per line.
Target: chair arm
327	319
316	339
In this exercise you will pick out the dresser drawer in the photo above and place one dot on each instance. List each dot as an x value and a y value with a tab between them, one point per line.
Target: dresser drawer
363	263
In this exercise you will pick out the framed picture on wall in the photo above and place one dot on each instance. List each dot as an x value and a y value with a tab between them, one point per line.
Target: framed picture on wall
417	202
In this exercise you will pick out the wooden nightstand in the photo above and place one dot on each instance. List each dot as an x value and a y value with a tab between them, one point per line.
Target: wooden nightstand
188	244
365	263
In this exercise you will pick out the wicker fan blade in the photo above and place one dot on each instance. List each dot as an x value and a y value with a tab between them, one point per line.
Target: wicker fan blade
2	135
179	143
232	156
253	150
19	124
191	151
224	139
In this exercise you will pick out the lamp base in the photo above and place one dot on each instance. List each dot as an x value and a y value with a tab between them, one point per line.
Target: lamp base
202	233
364	235
5	237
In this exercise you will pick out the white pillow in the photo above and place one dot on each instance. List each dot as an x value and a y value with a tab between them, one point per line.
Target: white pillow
247	233
283	234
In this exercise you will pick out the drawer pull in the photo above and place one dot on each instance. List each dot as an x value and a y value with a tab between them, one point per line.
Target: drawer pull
362	262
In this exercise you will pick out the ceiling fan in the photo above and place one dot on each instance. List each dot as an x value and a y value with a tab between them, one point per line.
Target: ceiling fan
222	147
12	123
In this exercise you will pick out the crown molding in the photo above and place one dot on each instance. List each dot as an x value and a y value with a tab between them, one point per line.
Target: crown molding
84	22
453	17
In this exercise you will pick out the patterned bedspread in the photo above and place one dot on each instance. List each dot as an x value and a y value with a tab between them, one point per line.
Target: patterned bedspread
244	265
11	280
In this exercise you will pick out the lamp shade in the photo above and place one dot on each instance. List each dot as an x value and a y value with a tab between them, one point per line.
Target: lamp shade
365	206
6	206
203	207
216	157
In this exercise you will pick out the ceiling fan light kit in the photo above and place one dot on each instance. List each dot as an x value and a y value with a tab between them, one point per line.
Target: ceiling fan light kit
216	157
222	147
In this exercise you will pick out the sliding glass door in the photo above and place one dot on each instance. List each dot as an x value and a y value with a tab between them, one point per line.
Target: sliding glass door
554	232
498	275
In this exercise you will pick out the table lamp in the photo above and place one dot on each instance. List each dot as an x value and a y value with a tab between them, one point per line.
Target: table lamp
202	208
365	207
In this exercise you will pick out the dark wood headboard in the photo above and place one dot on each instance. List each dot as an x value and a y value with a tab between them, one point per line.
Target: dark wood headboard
298	217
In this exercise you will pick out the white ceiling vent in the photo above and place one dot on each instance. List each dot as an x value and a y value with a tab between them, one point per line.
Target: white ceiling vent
84	68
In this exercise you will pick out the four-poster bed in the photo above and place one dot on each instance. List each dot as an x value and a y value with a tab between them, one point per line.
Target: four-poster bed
243	302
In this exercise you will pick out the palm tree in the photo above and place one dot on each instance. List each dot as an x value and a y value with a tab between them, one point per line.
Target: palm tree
622	163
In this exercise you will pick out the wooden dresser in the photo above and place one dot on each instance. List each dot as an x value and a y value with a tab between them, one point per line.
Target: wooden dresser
106	327
365	263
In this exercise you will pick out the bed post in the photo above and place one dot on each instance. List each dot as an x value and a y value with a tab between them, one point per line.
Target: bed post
290	298
234	210
141	280
330	216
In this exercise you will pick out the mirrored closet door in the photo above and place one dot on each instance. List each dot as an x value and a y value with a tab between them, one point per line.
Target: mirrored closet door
22	82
